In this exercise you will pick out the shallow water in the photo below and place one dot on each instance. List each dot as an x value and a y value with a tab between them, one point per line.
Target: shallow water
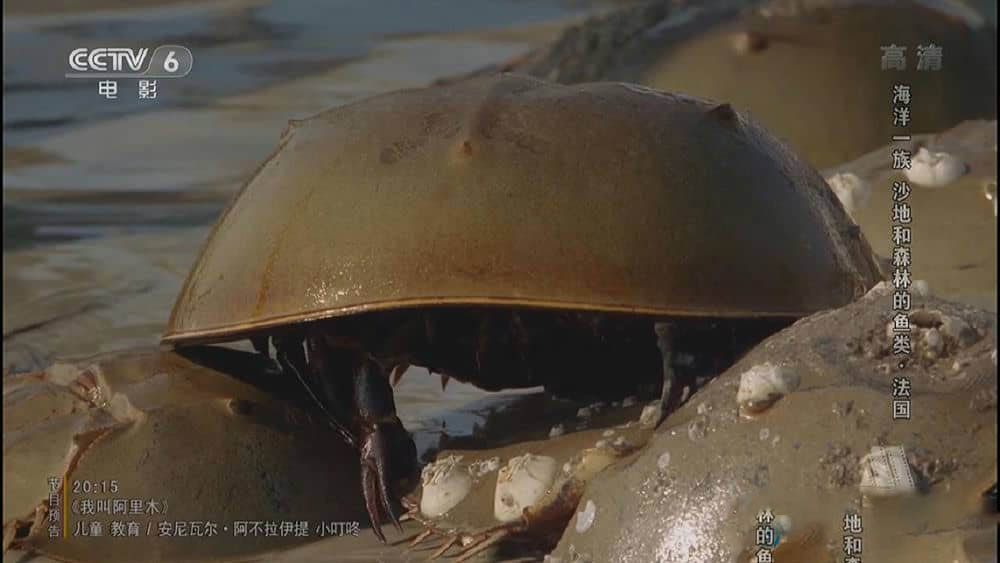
134	184
106	204
239	49
78	165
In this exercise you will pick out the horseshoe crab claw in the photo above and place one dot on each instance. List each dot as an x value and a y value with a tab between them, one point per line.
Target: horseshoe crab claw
124	456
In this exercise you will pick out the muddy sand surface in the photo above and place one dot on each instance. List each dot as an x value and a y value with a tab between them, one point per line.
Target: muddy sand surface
696	489
954	228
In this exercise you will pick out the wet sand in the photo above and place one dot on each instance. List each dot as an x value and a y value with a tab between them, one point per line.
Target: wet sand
953	227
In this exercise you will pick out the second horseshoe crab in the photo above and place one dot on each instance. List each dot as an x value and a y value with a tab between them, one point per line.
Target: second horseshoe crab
525	491
150	455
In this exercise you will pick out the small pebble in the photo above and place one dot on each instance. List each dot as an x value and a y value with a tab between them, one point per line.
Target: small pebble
934	169
557	430
608	433
921	288
697	428
851	190
775	441
620	442
585	518
880	289
663	461
584	412
762	385
685	393
764	434
601	444
650	414
703	408
933	343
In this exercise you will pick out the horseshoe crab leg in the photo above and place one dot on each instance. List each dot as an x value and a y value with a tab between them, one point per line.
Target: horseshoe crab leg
291	357
386	448
544	520
386	451
664	342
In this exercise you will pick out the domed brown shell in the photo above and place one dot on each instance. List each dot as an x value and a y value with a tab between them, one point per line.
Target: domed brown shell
511	191
813	75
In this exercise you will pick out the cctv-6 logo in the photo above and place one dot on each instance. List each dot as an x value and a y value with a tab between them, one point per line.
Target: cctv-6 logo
120	59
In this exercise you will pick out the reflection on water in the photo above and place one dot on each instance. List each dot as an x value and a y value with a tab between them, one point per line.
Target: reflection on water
236	50
257	64
25	224
126	186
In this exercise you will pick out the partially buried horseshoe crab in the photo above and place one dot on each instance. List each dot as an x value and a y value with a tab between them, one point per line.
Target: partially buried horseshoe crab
473	499
205	447
509	232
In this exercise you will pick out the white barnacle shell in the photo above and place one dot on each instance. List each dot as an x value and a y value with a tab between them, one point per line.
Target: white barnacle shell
650	414
482	467
521	484
663	461
934	169
585	518
933	343
762	385
445	483
886	472
851	190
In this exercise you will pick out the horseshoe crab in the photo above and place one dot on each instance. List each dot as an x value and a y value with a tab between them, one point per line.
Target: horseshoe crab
526	491
833	107
509	232
199	449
